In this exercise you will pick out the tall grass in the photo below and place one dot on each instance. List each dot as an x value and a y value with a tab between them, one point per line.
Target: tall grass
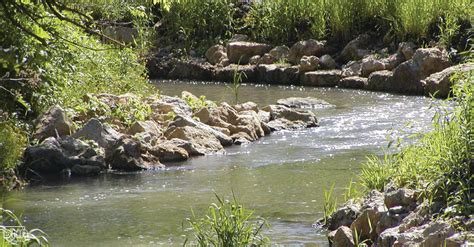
15	234
227	224
285	21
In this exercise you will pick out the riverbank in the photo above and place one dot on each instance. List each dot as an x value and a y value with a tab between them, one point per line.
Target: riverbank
421	195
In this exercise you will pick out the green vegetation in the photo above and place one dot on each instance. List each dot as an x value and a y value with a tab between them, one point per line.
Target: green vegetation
12	143
440	163
15	234
286	21
227	224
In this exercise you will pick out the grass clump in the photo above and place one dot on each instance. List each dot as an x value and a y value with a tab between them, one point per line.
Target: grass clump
227	224
15	234
13	141
440	164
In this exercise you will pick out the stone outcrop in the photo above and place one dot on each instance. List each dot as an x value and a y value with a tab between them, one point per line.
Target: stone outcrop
53	123
306	48
277	74
53	156
353	82
128	154
104	135
322	78
192	69
241	52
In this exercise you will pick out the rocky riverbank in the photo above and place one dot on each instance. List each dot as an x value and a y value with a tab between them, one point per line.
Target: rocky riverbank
364	63
395	217
177	129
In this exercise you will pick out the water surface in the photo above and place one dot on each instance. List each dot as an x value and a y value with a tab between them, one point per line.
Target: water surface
281	176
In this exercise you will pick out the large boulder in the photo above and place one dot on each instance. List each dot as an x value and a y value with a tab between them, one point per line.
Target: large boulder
371	64
203	141
277	74
381	81
102	134
241	52
167	151
216	54
323	78
280	53
327	62
166	104
407	49
343	216
131	155
150	127
306	48
439	84
356	49
400	197
53	123
352	68
52	156
300	102
196	70
266	59
282	117
226	74
353	82
426	61
308	63
183	121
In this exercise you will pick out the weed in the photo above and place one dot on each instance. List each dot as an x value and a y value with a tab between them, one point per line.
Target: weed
15	234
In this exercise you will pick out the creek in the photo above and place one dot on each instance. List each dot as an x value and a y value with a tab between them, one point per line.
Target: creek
281	177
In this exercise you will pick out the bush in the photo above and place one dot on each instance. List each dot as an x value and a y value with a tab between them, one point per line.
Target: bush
227	224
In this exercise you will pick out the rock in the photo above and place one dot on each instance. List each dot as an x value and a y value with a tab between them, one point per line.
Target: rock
407	49
53	123
387	220
267	59
54	155
353	82
436	233
247	106
216	54
439	84
186	145
130	155
277	74
343	237
203	141
327	62
381	81
238	38
102	134
460	239
193	69
280	53
306	48
356	49
178	105
324	78
227	73
255	60
426	61
372	210
352	68
392	61
85	170
331	235
241	138
371	64
241	52
294	117
343	216
264	116
202	114
309	63
168	152
300	102
285	124
400	197
144	126
183	121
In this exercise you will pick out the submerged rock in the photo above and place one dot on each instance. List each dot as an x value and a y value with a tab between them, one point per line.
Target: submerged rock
53	123
300	102
283	117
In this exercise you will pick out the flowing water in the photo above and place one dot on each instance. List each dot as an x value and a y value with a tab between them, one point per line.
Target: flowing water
281	177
